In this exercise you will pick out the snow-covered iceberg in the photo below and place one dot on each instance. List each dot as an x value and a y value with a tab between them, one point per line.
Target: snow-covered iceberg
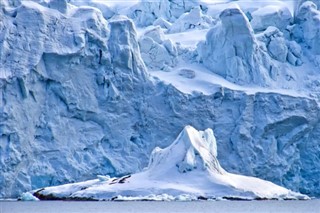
188	169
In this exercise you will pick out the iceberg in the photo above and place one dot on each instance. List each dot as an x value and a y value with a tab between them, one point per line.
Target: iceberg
188	169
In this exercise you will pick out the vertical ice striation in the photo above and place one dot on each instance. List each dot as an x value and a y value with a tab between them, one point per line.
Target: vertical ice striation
231	49
25	40
124	48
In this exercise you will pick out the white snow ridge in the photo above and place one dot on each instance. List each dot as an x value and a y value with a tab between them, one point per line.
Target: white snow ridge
188	169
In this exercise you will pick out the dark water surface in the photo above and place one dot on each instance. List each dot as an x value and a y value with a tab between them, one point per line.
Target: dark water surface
309	206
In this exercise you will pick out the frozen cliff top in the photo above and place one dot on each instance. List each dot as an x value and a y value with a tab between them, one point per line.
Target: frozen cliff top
187	169
32	30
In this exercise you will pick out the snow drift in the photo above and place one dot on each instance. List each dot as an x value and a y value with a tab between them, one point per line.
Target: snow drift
187	168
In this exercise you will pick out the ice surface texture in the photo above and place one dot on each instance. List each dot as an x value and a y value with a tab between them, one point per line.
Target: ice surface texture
76	98
44	31
157	52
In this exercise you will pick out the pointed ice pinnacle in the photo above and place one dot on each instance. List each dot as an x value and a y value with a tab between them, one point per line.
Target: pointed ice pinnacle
191	150
124	48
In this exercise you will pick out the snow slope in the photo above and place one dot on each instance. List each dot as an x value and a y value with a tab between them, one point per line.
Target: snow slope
188	168
84	92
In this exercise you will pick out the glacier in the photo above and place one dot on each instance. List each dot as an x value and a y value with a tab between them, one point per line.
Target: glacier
82	94
186	169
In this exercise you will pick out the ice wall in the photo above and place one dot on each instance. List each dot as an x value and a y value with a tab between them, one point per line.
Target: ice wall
25	40
76	101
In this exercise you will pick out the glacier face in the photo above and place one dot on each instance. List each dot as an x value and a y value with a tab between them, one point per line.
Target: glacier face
76	98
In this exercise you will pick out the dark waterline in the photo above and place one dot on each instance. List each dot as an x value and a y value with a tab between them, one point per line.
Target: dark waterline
309	206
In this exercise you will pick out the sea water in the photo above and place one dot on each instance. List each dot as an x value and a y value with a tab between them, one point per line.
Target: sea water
157	207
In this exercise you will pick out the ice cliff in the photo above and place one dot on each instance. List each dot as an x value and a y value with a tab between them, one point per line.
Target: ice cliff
78	96
232	49
147	11
308	21
188	169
